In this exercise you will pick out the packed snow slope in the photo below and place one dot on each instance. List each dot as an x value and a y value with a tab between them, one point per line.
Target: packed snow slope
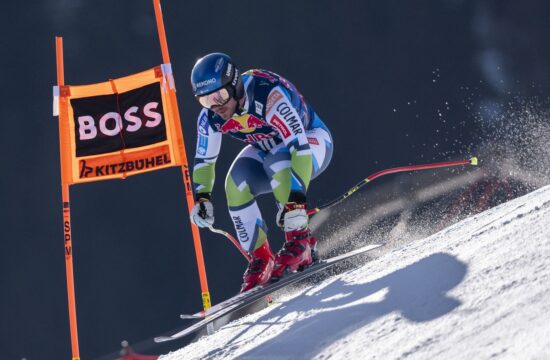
479	289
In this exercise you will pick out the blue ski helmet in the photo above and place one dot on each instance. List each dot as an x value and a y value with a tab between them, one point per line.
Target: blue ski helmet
213	72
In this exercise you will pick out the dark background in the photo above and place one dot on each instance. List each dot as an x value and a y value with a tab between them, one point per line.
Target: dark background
397	82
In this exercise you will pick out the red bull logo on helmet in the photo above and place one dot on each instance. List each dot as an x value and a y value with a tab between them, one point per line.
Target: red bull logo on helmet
244	123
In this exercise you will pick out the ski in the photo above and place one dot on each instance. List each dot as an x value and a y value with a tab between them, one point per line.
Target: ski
212	310
245	299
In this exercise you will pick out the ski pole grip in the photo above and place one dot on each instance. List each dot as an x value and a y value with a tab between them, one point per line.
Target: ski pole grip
313	211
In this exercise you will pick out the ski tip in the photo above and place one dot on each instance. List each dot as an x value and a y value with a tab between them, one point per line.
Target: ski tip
473	160
160	339
191	317
371	246
376	246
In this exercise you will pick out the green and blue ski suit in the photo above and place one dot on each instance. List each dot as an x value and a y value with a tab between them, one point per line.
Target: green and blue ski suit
288	145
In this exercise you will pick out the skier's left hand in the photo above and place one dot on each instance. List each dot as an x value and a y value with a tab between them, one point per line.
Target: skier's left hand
292	216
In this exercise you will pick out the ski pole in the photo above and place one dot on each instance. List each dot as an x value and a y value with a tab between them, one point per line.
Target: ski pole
471	161
232	239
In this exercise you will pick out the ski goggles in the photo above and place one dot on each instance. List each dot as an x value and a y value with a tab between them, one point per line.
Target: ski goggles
219	97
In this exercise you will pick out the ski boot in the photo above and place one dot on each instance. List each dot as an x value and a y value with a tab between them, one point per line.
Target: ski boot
296	254
260	268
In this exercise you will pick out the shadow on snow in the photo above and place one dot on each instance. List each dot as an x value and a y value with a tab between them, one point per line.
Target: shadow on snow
418	292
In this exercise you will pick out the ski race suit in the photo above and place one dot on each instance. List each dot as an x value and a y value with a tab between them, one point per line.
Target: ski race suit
288	145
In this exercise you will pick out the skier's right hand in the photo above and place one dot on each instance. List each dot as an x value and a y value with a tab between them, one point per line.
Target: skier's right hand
202	214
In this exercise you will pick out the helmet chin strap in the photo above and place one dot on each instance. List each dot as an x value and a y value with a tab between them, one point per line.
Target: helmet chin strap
238	109
237	92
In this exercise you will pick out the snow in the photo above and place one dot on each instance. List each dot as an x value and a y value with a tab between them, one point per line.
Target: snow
479	289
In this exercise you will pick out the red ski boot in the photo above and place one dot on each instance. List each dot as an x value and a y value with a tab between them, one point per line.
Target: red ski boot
296	253
260	268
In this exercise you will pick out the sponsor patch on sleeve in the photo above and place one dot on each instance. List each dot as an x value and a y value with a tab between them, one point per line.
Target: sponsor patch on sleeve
203	124
272	99
280	125
312	141
203	145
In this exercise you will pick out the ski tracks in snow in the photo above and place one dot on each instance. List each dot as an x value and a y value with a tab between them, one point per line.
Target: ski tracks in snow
479	289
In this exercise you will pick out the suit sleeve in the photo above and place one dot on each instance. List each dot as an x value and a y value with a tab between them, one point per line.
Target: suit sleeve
281	114
207	151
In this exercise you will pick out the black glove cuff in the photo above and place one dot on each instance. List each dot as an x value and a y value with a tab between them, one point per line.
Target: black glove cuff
297	197
205	196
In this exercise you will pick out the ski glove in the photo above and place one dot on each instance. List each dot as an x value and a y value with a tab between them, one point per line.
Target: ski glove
202	214
293	216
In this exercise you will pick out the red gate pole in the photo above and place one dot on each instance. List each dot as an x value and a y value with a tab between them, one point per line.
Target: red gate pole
184	164
67	216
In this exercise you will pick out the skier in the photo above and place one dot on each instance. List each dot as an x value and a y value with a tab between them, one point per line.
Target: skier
288	145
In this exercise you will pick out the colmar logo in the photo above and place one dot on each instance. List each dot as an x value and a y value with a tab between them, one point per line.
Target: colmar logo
294	123
241	230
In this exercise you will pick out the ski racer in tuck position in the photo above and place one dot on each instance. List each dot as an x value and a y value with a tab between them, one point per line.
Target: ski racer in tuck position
288	145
